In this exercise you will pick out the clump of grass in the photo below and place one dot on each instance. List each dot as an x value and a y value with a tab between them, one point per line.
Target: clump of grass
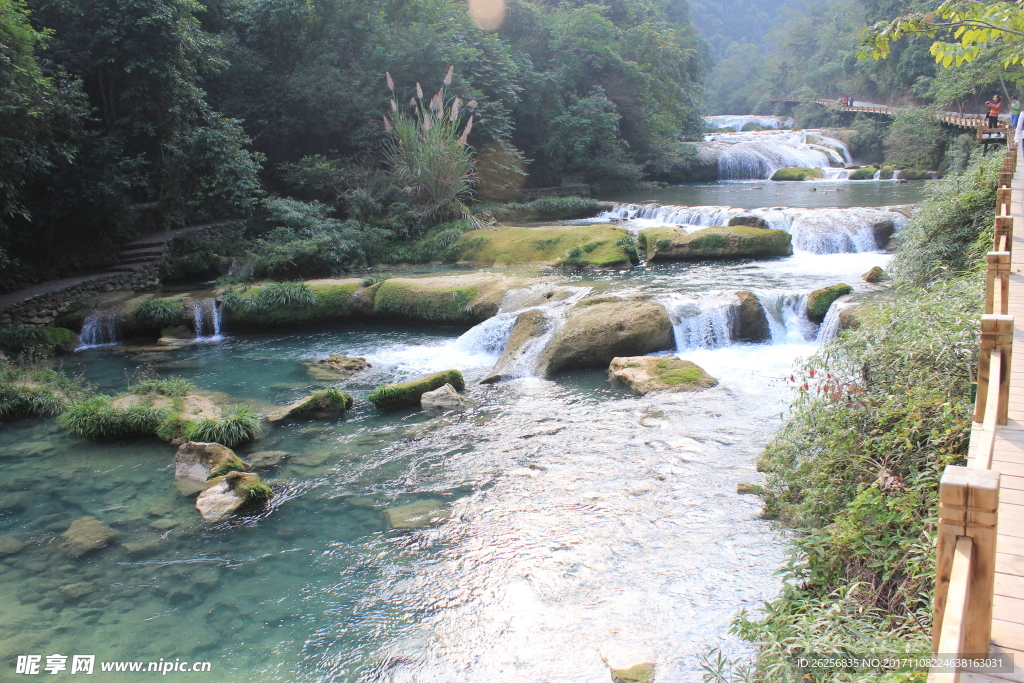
15	341
172	387
371	280
392	396
629	245
278	295
155	314
255	491
235	426
96	418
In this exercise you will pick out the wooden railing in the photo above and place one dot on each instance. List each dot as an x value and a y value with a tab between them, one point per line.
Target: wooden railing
969	496
977	122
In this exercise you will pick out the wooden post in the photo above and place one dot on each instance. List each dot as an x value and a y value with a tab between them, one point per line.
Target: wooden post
968	509
1005	179
996	335
1002	234
1003	201
998	269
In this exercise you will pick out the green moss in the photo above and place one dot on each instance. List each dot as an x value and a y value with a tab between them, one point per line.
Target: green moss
796	173
36	340
328	303
640	673
254	491
391	396
720	242
331	400
864	174
232	464
819	300
403	301
600	246
670	373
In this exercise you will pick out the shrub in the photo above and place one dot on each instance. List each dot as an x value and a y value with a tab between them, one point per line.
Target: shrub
915	140
35	393
236	426
428	155
174	387
40	340
391	396
154	314
96	418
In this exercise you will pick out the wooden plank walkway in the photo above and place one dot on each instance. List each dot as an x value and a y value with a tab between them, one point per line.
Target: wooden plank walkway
1008	460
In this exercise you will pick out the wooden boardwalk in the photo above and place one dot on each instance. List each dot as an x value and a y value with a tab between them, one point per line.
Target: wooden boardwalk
1008	460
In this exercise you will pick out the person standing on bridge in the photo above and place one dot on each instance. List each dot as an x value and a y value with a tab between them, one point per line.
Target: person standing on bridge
1015	108
994	105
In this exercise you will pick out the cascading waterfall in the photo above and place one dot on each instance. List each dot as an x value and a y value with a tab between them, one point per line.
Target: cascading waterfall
206	317
817	231
99	329
830	325
758	155
787	316
723	122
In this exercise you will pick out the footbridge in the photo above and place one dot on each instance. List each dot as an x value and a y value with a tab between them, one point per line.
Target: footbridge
979	581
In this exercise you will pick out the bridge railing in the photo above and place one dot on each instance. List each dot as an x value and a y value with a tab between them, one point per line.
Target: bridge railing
969	496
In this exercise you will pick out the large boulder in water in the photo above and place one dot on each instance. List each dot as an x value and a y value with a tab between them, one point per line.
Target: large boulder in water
407	394
196	462
86	535
528	326
638	673
750	323
646	374
442	399
595	334
326	403
876	274
722	242
751	221
819	300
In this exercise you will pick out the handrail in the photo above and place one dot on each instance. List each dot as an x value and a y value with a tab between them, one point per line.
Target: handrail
969	496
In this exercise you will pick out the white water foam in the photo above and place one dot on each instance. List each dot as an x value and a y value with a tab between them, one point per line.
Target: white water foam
724	122
206	318
758	155
100	329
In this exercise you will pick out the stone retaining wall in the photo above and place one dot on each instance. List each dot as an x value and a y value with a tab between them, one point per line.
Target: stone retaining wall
42	309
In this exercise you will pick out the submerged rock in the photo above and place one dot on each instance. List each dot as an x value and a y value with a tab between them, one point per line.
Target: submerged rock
721	242
75	591
638	673
646	374
336	367
819	301
422	513
320	404
407	394
267	459
443	398
228	494
86	535
196	462
529	325
876	274
595	334
9	545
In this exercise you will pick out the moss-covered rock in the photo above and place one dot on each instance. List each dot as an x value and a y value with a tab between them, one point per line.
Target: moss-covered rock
196	462
751	221
750	324
819	300
336	367
330	302
876	274
917	174
422	513
230	494
595	334
86	535
864	174
550	209
639	673
724	242
442	399
407	394
326	403
594	246
646	374
796	173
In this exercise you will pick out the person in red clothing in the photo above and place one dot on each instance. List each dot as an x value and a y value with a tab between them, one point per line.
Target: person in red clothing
994	105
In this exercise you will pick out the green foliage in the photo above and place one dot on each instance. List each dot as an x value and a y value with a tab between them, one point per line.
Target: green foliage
371	280
952	229
915	140
255	491
283	295
97	417
551	209
393	396
191	259
443	304
156	314
15	341
172	387
796	173
26	392
235	426
330	304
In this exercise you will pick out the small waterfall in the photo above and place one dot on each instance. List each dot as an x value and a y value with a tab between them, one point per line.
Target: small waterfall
830	325
897	174
758	155
724	122
817	231
206	317
787	316
706	323
100	329
490	336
